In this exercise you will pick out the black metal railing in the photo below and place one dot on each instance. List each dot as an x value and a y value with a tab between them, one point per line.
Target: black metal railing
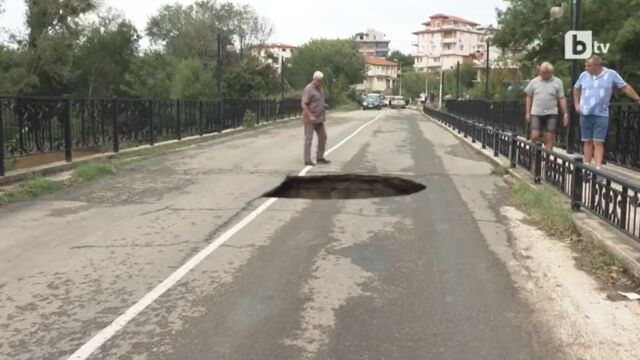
622	148
45	125
611	198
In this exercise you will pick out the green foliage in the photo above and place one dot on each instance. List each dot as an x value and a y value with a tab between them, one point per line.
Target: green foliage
553	216
245	76
405	60
190	31
150	76
339	60
34	187
93	170
14	76
105	55
249	119
192	81
526	25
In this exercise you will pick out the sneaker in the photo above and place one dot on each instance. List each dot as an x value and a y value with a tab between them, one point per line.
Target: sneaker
324	161
309	163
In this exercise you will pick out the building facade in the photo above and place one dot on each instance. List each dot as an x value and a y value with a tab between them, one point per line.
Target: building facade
447	40
381	75
274	54
372	43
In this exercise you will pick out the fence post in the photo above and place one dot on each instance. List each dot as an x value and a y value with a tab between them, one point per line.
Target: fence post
537	164
66	124
513	150
2	169
576	185
484	136
178	122
473	132
496	142
152	130
116	130
201	118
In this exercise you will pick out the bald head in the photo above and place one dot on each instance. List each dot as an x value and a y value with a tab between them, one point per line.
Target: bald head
317	77
546	70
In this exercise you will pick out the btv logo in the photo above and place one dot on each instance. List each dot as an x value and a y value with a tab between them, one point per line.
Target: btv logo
580	45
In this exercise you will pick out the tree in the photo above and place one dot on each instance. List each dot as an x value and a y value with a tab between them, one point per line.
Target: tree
191	31
150	76
14	77
105	55
192	81
339	60
246	76
405	61
526	25
54	27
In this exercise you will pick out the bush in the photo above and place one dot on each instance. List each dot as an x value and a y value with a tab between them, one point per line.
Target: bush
249	119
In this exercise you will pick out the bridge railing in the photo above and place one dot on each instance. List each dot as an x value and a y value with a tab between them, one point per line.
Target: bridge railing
622	146
611	198
64	127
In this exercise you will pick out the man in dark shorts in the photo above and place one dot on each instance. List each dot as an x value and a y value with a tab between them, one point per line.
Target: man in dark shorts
543	95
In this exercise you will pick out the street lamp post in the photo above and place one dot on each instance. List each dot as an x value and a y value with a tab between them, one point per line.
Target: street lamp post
556	13
458	80
441	85
487	73
221	49
282	67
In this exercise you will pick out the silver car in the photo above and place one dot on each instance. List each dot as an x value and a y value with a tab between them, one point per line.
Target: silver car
398	102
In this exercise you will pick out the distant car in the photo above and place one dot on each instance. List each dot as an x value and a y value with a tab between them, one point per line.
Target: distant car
371	102
398	102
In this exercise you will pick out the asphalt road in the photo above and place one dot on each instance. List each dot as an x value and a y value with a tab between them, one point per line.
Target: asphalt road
411	277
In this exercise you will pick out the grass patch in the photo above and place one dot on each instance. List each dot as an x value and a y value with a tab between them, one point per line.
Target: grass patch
552	215
347	106
35	187
500	171
92	171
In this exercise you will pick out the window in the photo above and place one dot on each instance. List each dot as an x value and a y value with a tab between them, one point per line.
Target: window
461	47
436	59
371	46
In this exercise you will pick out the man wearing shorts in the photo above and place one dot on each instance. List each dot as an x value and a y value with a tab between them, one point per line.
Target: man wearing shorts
592	96
543	95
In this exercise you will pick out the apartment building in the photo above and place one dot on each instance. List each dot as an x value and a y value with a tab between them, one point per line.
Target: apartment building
372	43
446	40
381	75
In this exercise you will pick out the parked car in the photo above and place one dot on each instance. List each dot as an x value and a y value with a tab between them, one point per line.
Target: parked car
398	102
371	102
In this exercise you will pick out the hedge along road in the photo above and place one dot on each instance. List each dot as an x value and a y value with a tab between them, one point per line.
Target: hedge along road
178	257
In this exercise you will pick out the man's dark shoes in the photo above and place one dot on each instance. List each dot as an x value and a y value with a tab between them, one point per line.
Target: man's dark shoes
324	162
309	163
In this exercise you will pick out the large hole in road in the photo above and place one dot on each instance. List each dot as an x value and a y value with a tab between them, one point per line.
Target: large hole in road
326	187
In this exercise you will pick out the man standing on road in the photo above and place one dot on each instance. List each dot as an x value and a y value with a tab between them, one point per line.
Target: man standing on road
313	115
592	97
543	95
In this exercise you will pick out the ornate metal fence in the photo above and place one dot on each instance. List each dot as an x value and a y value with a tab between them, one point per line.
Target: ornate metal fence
611	198
46	125
622	147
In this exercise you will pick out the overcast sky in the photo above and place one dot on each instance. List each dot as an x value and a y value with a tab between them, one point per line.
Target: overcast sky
297	21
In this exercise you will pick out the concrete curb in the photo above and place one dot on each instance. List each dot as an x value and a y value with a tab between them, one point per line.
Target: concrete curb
618	244
62	166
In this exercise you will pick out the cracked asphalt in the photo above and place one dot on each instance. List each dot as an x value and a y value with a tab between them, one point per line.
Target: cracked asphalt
412	277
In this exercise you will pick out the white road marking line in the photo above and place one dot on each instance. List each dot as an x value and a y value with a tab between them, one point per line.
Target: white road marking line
121	321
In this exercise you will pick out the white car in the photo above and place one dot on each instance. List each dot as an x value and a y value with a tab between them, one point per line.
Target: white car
398	102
